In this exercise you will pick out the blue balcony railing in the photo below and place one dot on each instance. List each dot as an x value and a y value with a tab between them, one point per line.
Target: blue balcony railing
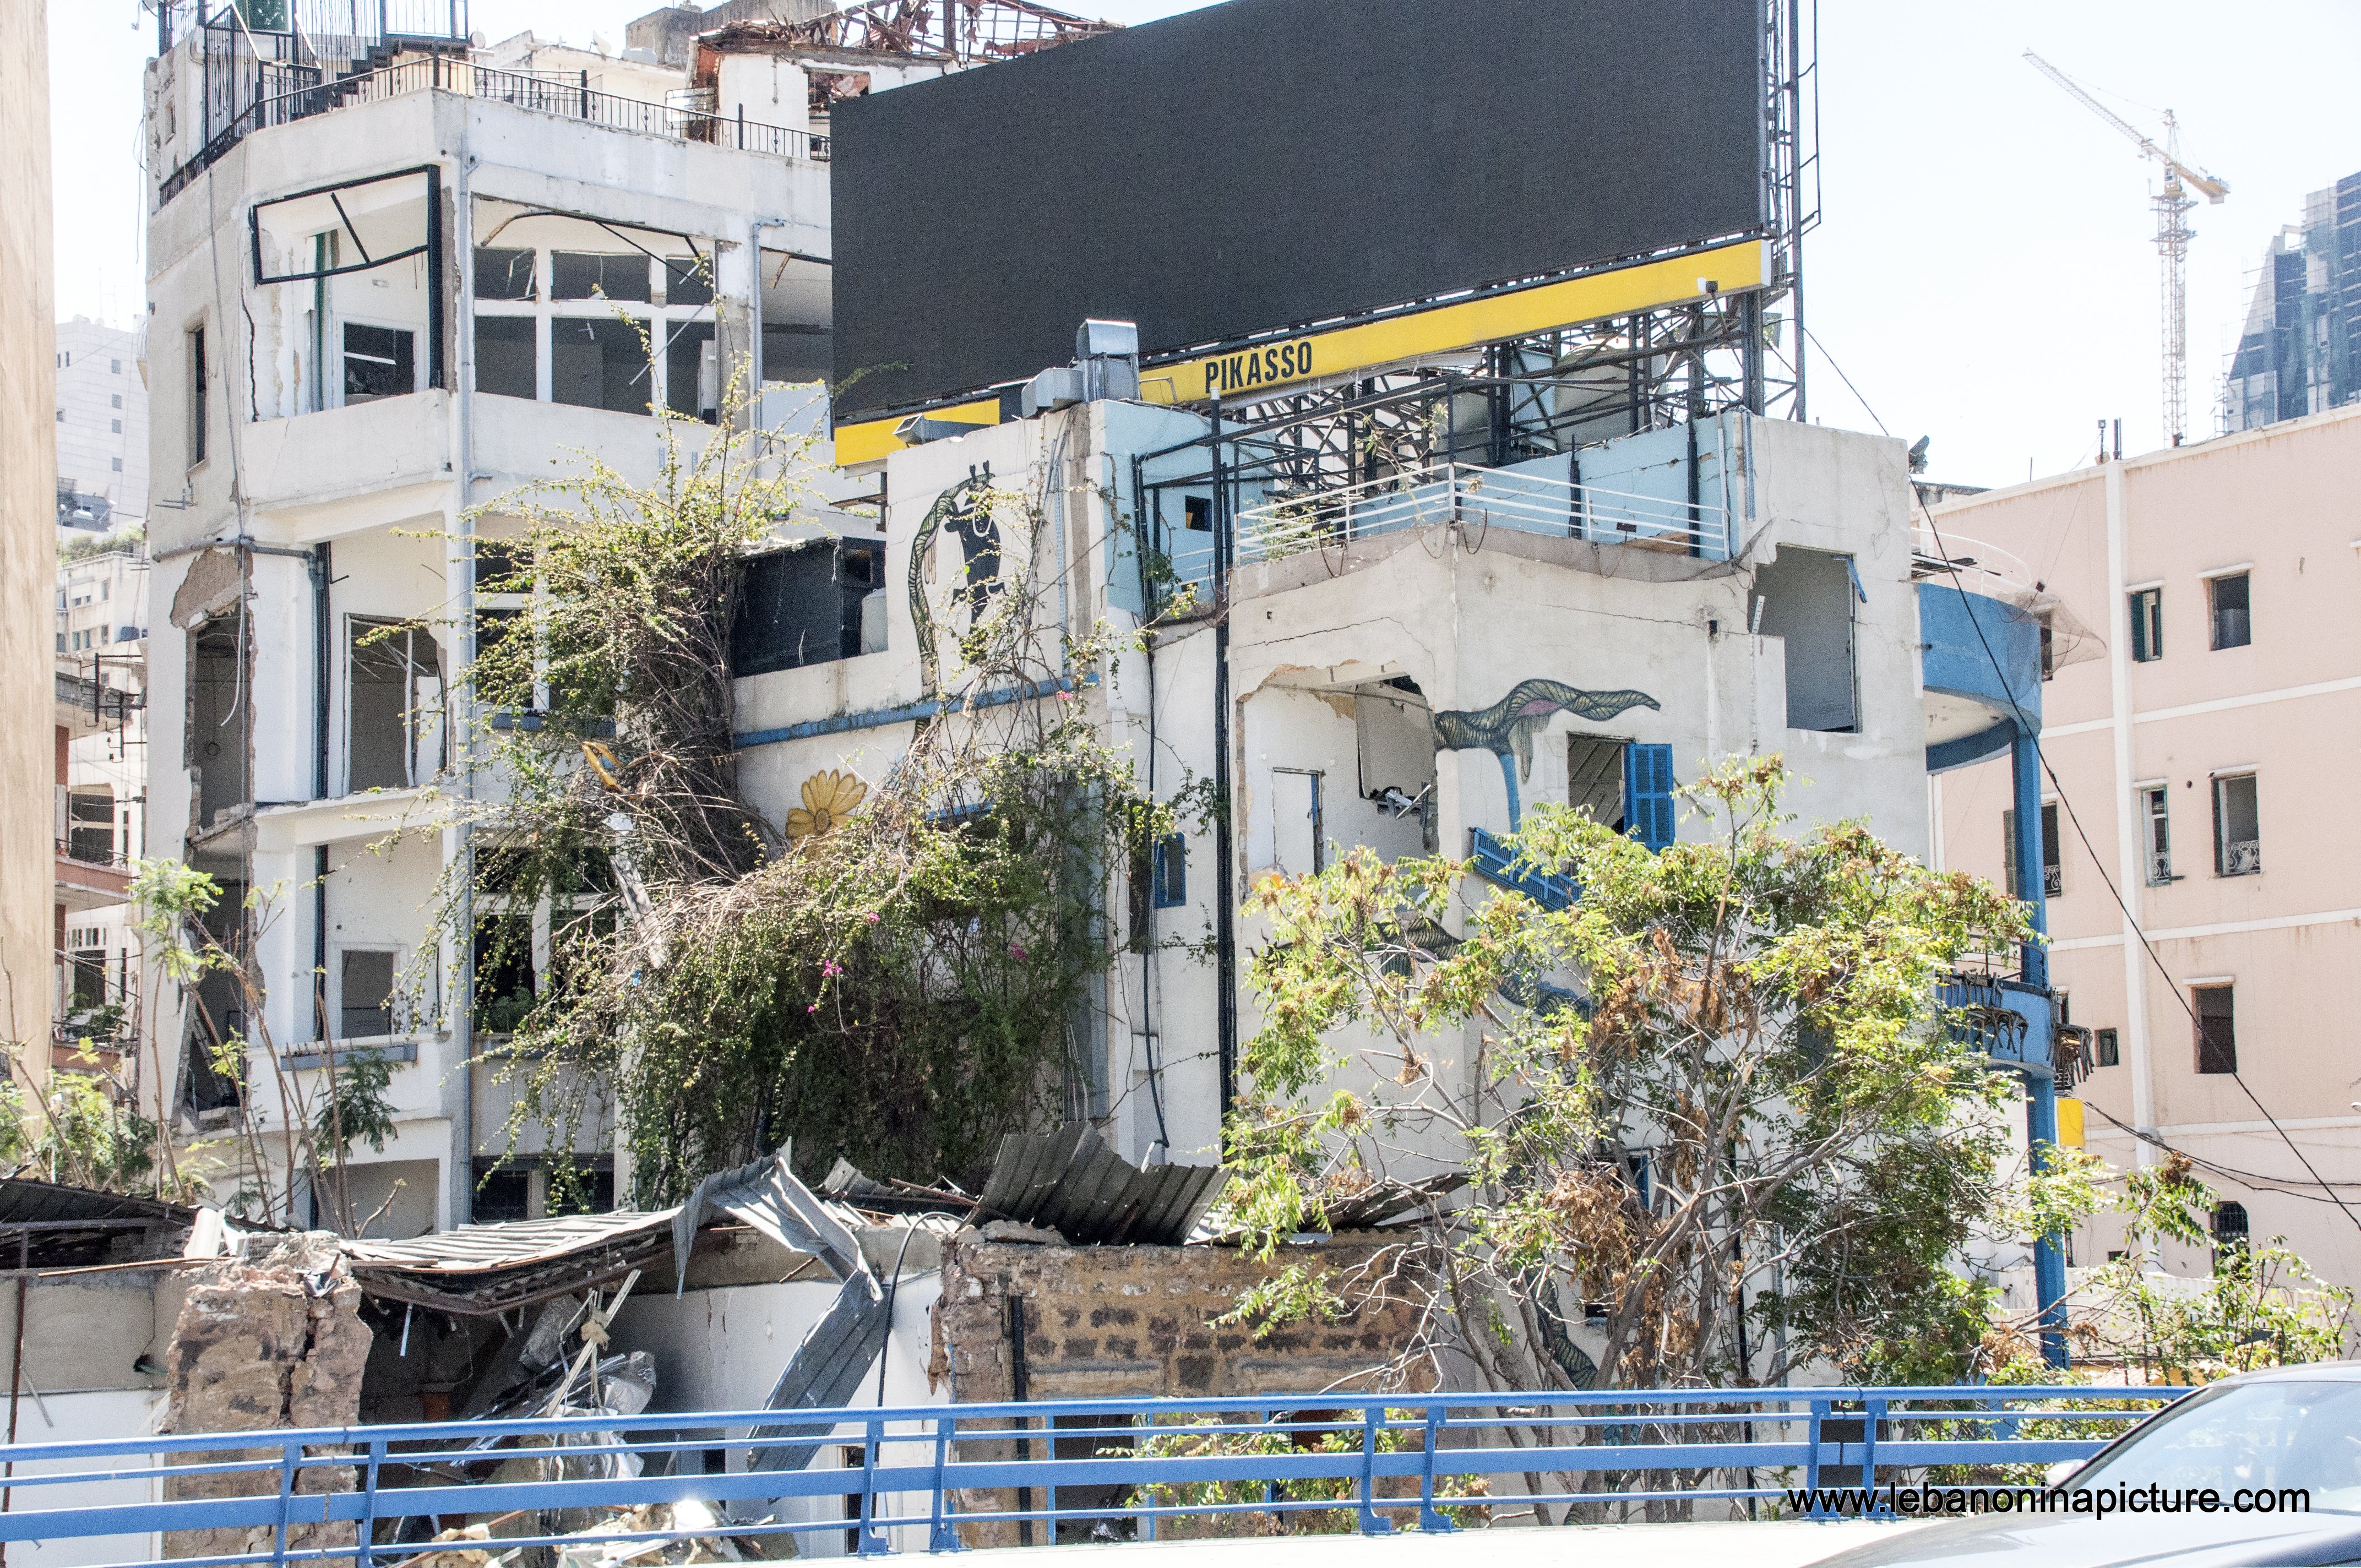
921	1477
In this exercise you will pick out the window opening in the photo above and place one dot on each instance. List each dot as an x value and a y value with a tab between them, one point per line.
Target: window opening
2231	1226
2237	827
2053	874
2217	1030
200	413
1297	847
394	709
1806	598
2148	625
378	363
2109	1049
592	275
508	356
90	828
1171	871
2156	819
1594	781
692	372
596	364
2233	622
809	604
505	274
364	995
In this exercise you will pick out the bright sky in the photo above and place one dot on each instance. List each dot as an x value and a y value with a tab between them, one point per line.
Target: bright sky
1985	274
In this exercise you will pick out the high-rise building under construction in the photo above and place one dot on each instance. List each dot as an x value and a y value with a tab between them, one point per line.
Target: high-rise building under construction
2301	351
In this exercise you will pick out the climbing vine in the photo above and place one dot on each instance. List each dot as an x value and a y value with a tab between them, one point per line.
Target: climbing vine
897	971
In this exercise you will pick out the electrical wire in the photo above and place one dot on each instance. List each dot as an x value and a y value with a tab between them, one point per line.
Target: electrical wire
2258	1180
2032	733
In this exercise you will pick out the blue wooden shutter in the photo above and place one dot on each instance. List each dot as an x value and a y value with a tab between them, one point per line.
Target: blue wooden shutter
1648	794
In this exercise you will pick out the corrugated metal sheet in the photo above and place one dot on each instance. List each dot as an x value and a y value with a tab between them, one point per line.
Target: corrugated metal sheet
510	1244
44	1202
1376	1204
1072	1182
823	1374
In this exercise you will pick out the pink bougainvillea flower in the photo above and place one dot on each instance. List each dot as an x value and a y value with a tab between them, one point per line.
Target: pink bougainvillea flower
831	969
1016	953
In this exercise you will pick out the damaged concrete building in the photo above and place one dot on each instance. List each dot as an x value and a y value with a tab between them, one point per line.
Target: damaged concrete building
394	275
1398	570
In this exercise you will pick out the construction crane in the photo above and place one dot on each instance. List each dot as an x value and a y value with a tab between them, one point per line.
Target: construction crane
2172	237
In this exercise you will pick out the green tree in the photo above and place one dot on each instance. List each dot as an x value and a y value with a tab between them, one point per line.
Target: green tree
1724	1062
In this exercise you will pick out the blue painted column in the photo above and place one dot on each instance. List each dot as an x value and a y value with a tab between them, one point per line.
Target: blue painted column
2040	1084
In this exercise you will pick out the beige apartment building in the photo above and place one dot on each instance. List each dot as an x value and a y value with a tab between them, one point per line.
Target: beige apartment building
28	526
2201	742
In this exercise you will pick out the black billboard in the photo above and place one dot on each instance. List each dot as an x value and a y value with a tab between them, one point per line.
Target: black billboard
1264	164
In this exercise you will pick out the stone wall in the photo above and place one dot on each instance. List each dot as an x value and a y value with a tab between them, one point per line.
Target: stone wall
1140	1321
267	1342
1128	1322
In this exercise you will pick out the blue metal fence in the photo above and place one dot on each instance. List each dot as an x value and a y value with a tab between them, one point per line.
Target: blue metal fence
376	1494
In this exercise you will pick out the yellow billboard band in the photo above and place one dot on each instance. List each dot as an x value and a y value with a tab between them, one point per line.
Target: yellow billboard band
1337	351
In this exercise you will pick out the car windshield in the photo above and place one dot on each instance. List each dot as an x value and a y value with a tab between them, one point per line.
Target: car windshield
2305	1434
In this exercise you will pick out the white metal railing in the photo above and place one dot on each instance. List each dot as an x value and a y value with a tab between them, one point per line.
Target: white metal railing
1475	498
1980	567
2242	858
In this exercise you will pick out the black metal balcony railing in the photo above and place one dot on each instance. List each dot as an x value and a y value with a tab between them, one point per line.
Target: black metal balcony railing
287	92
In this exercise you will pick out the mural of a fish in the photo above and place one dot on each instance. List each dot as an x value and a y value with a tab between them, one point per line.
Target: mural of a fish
1507	727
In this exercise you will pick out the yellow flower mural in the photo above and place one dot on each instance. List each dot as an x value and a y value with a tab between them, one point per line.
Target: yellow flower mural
829	798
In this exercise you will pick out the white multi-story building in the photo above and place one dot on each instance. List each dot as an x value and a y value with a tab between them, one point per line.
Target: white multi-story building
102	414
392	281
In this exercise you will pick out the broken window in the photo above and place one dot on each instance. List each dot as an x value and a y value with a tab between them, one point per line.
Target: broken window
2147	609
2237	827
1394	736
378	362
585	275
2217	1028
217	718
393	715
1806	598
692	372
809	604
688	281
364	995
797	354
502	274
1594	779
599	363
2233	622
2053	874
508	356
